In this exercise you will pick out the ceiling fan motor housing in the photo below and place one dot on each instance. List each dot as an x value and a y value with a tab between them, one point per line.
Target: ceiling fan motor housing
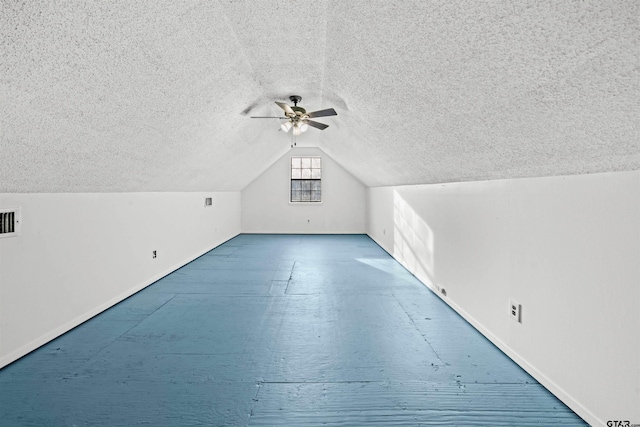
299	110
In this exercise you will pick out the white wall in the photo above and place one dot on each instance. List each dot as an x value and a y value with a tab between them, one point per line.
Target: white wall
78	254
566	248
266	207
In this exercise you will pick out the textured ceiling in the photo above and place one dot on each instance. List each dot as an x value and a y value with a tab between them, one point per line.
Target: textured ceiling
156	95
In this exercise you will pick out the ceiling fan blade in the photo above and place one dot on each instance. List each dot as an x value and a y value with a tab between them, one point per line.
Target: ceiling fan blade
316	125
267	117
286	108
323	113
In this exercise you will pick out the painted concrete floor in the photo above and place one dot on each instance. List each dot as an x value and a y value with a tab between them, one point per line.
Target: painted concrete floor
273	330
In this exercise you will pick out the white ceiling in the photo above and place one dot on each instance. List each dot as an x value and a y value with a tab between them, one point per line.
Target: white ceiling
105	96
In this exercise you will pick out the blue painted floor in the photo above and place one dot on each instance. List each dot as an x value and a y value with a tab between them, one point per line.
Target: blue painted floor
274	330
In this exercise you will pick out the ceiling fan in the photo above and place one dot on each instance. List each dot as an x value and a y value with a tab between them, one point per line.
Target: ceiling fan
298	118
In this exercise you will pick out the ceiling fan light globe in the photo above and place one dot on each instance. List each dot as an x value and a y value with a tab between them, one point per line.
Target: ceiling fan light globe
286	126
303	127
296	130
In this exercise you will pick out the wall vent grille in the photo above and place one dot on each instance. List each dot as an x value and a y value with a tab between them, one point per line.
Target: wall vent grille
9	222
208	201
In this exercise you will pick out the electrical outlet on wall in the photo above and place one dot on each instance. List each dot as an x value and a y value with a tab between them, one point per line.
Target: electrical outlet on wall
515	310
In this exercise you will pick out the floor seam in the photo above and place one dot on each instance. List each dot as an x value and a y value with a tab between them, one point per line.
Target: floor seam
254	402
127	331
322	382
417	329
286	289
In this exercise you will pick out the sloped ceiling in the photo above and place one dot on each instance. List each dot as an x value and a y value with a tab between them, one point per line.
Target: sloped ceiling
154	95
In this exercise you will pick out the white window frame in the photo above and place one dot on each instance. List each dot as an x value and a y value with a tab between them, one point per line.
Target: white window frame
291	179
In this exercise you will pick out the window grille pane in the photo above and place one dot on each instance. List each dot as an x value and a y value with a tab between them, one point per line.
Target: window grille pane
306	173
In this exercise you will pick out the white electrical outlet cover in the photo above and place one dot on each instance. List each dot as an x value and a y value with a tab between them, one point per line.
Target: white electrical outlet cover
514	310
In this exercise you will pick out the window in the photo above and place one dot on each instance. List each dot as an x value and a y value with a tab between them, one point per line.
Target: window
306	174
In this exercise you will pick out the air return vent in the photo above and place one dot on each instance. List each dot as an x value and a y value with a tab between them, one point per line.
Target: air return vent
9	222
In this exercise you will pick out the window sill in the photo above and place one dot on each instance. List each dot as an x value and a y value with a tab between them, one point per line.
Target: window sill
305	203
